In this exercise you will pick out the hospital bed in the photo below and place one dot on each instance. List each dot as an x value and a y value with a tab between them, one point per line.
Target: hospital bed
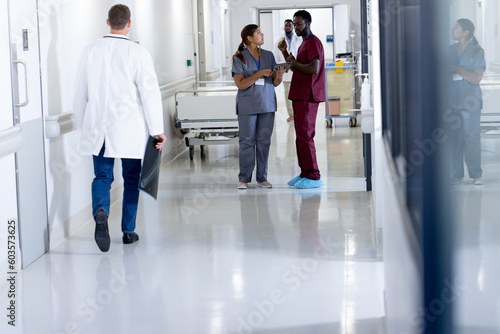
207	116
490	117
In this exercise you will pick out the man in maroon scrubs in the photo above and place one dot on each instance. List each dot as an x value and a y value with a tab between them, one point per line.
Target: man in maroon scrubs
307	90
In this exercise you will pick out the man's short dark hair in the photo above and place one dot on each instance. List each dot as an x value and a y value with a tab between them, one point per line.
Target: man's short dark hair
288	20
118	16
304	14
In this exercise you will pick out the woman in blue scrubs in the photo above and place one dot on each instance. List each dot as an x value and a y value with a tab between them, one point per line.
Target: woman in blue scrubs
466	102
254	75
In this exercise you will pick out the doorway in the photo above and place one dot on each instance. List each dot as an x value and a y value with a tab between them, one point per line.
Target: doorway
23	169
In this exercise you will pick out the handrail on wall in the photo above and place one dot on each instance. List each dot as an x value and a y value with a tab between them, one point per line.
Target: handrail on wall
11	141
170	89
57	125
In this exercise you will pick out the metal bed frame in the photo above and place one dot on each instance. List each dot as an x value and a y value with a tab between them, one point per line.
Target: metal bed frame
207	116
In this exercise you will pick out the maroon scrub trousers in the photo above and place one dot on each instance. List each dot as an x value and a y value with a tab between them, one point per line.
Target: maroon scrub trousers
304	119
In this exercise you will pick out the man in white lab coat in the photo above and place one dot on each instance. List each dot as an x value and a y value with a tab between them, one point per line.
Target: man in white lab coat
117	105
293	43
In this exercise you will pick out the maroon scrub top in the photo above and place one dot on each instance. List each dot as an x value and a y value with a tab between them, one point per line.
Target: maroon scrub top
309	87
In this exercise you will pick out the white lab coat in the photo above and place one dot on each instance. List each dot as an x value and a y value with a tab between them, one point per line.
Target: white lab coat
296	42
117	98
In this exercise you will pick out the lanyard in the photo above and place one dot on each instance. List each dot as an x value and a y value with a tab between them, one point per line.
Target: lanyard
459	57
289	40
257	64
303	42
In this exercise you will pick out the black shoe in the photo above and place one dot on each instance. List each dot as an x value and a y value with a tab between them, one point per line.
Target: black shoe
101	234
129	238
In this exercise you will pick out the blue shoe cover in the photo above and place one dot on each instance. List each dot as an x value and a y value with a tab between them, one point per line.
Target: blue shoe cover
293	181
307	184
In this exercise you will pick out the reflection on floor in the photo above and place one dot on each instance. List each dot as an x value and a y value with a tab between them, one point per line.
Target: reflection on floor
214	259
478	245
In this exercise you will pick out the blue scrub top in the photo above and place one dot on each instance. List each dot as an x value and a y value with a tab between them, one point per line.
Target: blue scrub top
465	95
255	99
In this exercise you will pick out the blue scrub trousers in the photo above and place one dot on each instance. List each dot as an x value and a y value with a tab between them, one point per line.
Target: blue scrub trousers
255	139
466	142
101	186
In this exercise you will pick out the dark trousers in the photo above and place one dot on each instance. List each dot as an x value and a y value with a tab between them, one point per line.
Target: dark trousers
304	119
101	186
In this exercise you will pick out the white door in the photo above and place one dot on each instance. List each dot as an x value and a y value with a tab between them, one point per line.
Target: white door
8	145
27	112
266	26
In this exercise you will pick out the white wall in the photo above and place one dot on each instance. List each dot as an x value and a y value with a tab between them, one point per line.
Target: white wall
402	277
490	34
163	27
342	39
214	33
228	52
217	31
208	9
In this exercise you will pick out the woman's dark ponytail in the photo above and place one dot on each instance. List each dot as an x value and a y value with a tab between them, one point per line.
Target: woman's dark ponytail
247	31
239	53
467	25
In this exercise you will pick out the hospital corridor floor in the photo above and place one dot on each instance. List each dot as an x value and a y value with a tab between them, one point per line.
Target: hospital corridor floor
213	259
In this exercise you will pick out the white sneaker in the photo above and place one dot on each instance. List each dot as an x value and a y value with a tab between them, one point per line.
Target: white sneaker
264	184
478	181
242	185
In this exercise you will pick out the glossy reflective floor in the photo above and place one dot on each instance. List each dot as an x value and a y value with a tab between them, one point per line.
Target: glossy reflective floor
214	259
477	238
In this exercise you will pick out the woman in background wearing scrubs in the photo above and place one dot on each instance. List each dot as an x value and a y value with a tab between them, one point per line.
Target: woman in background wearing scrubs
254	75
466	102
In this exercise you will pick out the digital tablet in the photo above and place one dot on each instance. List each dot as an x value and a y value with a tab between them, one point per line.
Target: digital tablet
285	65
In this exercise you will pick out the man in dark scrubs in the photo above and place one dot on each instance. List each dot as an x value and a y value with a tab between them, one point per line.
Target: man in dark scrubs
307	90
